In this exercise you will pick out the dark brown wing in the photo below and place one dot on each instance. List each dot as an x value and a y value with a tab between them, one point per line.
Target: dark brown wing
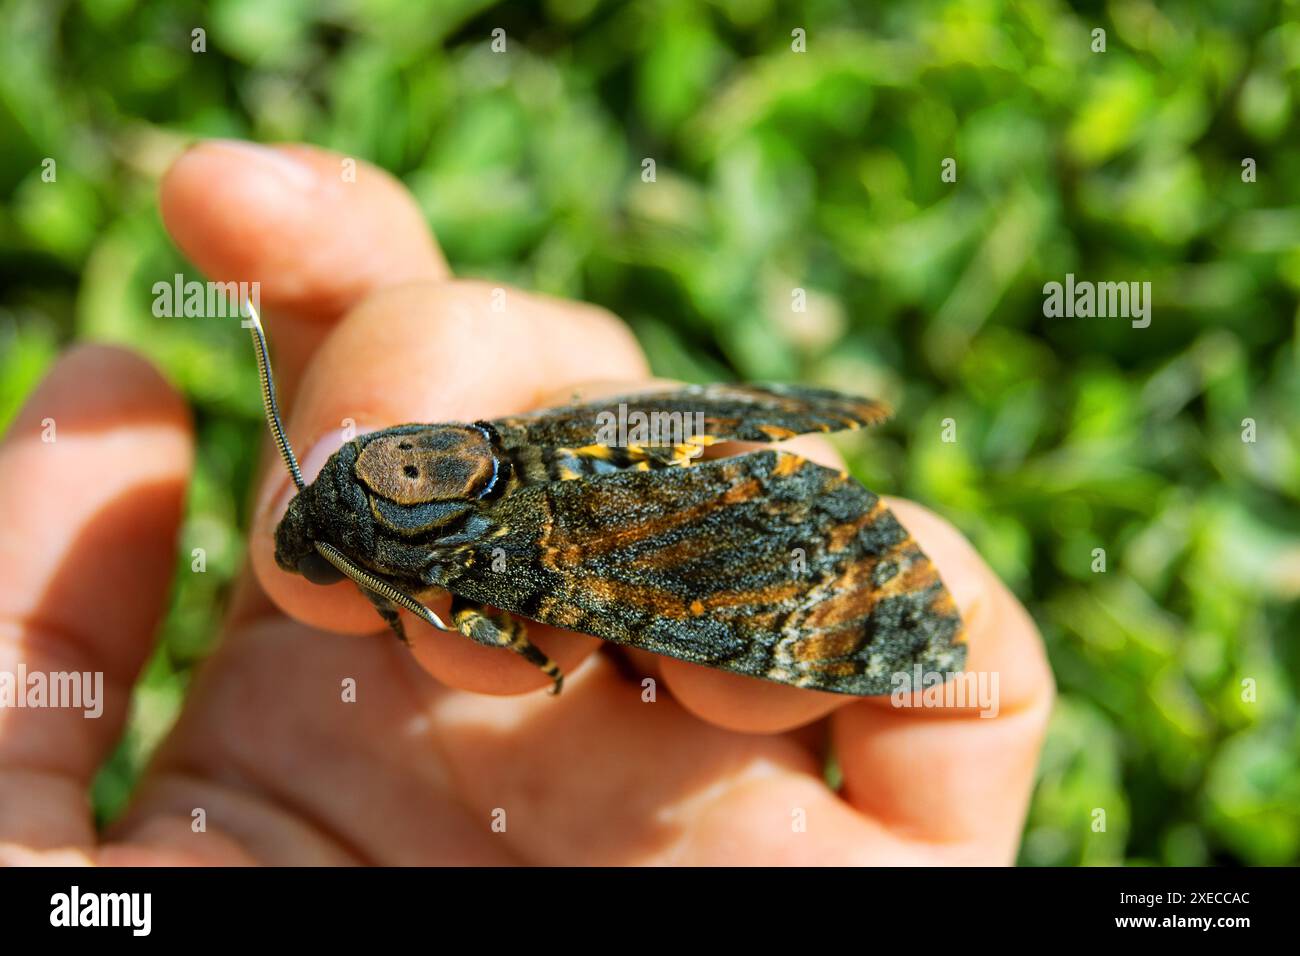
763	564
713	413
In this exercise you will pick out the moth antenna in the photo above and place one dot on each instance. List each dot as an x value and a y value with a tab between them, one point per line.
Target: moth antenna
364	579
254	324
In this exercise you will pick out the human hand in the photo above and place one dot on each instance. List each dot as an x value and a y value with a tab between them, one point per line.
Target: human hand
366	323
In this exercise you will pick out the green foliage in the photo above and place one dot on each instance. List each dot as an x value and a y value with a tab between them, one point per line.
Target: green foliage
1177	666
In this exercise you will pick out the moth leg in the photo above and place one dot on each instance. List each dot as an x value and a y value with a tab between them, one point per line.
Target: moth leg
388	611
502	630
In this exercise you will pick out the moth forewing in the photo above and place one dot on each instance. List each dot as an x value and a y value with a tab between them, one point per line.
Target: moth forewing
764	564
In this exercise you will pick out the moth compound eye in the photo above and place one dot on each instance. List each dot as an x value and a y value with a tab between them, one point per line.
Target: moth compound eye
319	571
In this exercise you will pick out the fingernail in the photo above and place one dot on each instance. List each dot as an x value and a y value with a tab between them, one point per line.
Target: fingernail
290	171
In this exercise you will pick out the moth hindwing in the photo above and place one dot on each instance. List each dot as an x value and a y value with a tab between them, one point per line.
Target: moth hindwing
762	564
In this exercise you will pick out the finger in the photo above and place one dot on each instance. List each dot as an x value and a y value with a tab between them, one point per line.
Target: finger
316	233
92	483
957	776
435	352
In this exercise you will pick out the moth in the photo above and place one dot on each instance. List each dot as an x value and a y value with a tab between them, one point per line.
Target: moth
764	563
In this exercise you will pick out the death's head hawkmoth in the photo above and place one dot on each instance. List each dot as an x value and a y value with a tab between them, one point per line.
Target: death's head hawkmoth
764	564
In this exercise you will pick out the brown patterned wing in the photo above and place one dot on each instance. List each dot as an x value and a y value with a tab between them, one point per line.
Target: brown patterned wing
763	564
714	413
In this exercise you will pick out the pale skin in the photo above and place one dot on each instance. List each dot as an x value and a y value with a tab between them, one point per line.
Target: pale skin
367	323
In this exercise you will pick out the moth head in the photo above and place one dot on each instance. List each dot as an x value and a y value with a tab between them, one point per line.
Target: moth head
295	544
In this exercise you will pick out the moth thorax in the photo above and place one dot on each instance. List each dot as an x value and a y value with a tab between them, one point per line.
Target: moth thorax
441	463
